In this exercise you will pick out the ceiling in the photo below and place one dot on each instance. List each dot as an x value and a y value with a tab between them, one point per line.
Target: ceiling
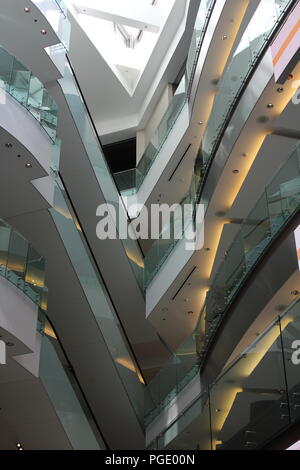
117	111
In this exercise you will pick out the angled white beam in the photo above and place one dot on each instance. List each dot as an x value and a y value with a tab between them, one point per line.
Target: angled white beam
138	14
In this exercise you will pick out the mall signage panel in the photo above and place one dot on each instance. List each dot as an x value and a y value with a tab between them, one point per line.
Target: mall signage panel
286	47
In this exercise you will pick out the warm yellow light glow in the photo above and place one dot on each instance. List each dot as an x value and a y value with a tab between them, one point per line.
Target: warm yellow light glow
226	394
237	182
123	361
226	399
214	243
138	261
256	355
48	330
68	216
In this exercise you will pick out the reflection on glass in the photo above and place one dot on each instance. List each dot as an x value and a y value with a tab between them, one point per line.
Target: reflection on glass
246	57
278	203
69	404
180	97
247	400
192	430
99	165
22	265
98	300
252	401
19	82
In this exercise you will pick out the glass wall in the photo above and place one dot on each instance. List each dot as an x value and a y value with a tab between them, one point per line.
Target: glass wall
252	401
277	205
18	81
21	264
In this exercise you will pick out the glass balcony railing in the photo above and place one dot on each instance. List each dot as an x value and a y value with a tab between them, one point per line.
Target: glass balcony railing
18	82
264	23
98	299
163	247
254	399
257	35
180	97
276	206
99	165
22	265
66	396
126	182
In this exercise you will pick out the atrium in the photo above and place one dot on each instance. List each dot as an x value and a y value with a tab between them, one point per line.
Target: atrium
150	227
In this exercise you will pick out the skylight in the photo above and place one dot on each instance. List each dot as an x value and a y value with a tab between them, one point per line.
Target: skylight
124	32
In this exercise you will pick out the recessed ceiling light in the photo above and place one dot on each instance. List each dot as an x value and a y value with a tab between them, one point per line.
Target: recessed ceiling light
295	292
280	90
19	156
291	76
225	37
244	155
9	145
27	10
200	123
28	165
270	105
43	32
190	312
235	172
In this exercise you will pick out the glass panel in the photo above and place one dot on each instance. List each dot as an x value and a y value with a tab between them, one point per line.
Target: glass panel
17	258
161	133
290	325
252	401
22	265
284	192
49	114
18	81
256	231
62	6
64	399
98	300
277	204
172	232
126	182
35	275
248	402
35	98
257	34
191	431
5	232
6	68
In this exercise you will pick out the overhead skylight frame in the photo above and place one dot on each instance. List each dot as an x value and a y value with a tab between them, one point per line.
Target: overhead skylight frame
129	39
